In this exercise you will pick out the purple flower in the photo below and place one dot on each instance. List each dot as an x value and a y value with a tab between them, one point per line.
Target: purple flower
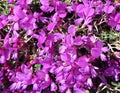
41	38
60	9
78	41
3	21
51	45
80	9
44	2
113	71
71	30
28	23
22	79
95	52
41	74
109	71
84	11
89	82
88	12
53	87
114	21
18	12
78	21
79	90
55	18
10	1
98	50
68	55
24	3
82	61
51	26
68	40
108	9
25	75
68	91
46	8
62	49
16	26
2	58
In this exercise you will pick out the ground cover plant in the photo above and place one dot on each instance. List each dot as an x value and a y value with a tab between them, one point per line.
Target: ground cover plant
59	46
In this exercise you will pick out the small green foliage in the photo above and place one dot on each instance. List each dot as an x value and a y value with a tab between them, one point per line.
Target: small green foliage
37	66
4	7
107	91
116	87
112	36
116	84
34	6
35	2
104	35
68	1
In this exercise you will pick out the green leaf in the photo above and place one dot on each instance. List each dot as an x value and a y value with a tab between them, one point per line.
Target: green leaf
112	36
108	91
37	66
4	7
116	84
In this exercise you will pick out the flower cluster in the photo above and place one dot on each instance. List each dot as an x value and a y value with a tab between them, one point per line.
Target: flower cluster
55	46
